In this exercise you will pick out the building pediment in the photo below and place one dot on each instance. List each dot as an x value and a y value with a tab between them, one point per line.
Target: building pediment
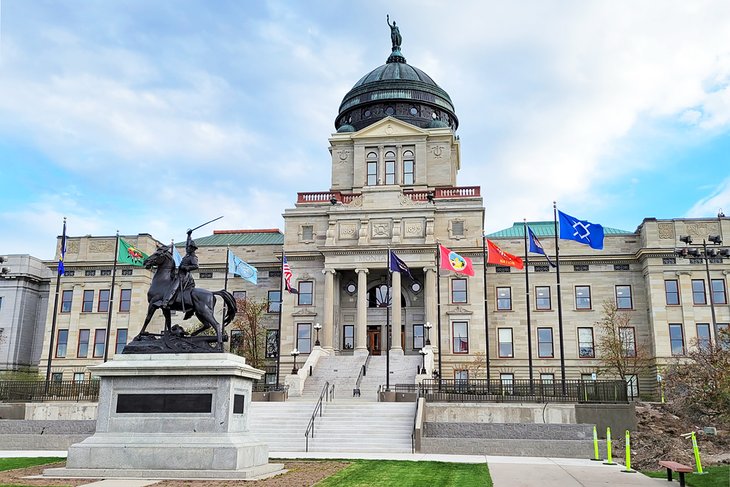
305	312
389	127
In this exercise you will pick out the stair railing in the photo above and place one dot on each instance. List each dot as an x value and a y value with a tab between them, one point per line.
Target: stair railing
324	395
363	373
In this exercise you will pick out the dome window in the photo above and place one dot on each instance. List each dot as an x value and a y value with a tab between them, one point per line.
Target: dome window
367	113
414	111
390	111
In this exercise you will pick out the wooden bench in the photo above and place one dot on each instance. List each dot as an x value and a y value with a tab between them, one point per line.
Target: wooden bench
676	467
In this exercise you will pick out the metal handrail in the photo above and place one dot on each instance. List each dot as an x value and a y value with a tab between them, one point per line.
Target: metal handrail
318	408
363	372
413	432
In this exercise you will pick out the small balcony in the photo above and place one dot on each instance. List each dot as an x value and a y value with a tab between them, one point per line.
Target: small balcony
332	197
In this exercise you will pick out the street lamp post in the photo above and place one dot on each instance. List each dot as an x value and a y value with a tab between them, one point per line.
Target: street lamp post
428	327
317	327
423	360
294	354
706	255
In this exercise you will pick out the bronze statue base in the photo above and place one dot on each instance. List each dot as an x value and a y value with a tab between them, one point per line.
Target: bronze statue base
175	341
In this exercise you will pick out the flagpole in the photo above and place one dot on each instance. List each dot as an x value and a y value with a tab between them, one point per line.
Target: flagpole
111	301
387	325
486	311
225	282
438	304
278	333
527	299
560	307
55	306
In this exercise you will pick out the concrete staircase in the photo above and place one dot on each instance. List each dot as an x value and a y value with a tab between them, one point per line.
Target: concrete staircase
281	424
403	370
340	370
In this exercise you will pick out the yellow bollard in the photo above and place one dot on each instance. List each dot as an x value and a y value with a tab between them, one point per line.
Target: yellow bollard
697	454
628	454
595	458
609	456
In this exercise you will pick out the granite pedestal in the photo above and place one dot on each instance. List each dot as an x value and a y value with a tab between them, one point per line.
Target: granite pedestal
172	416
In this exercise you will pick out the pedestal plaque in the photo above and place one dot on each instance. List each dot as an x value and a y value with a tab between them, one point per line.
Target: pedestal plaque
172	416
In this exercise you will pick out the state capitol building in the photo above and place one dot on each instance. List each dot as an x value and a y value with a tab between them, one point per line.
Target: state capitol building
395	161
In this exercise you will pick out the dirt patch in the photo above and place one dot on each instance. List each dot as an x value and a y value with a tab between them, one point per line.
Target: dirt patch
658	437
299	474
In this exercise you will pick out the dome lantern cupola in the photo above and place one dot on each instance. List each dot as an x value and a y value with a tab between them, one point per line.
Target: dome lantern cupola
399	90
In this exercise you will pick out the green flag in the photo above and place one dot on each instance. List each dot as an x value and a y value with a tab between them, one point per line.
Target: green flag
129	254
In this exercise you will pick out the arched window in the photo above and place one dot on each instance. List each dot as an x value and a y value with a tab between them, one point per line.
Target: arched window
390	167
409	168
372	168
380	296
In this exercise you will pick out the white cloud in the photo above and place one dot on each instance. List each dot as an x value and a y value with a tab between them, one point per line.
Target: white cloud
718	199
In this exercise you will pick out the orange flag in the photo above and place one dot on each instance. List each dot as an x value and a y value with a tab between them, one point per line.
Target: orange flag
495	255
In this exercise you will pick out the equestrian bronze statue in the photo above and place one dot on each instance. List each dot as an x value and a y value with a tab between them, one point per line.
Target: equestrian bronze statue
173	289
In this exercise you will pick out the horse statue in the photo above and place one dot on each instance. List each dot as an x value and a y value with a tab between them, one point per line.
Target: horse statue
195	301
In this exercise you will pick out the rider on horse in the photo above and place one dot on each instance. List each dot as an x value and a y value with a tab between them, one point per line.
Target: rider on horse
184	279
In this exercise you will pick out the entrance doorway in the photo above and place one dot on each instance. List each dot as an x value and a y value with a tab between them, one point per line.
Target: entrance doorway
374	340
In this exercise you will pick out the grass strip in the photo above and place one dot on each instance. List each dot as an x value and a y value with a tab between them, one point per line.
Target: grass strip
403	473
713	477
13	463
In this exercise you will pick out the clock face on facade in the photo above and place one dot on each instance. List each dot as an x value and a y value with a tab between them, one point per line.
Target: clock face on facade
416	287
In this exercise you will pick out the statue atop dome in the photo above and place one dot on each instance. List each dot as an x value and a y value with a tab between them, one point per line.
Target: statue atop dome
395	36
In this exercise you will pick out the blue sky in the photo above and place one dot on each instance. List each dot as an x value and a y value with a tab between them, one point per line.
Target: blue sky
153	117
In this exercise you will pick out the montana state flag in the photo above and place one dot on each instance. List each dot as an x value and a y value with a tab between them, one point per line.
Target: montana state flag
495	255
129	254
451	261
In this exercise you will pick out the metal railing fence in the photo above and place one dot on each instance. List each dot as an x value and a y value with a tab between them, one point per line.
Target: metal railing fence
41	390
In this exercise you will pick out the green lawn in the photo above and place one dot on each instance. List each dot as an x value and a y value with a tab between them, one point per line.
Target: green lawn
365	473
12	463
713	477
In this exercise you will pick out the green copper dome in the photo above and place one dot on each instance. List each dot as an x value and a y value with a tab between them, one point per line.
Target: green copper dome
399	90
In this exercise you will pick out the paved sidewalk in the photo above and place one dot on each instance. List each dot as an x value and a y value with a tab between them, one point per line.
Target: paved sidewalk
505	471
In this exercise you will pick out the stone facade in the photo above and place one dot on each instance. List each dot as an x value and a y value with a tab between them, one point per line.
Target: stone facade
23	304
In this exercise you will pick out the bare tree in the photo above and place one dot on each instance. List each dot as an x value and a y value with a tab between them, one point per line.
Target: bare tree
619	351
699	382
248	335
475	366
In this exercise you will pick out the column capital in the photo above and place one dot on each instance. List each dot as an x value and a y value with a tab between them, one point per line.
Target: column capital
362	269
429	268
329	270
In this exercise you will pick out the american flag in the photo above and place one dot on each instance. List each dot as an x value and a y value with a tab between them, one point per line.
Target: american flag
287	276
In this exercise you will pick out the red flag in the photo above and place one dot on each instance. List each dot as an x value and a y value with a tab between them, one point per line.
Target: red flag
495	255
451	261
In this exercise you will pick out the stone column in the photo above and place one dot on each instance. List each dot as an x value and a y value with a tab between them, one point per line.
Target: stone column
329	308
429	303
361	333
395	319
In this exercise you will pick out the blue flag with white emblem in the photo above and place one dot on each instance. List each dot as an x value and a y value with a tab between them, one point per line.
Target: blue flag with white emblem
240	268
536	247
397	265
581	231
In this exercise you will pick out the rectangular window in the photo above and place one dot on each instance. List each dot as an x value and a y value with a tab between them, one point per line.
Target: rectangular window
582	297
457	228
125	300
585	343
348	337
103	305
307	232
507	381
676	338
547	378
239	295
206	275
61	343
545	342
623	297
83	350
698	291
418	337
304	337
505	342
542	298
703	336
627	337
408	172
57	376
389	172
306	291
99	343
90	273
274	298
79	376
126	272
272	343
460	332
719	296
458	290
587	377
671	291
87	305
121	340
66	301
106	272
461	375
504	298
372	173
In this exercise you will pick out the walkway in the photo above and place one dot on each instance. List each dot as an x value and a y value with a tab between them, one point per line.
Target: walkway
505	471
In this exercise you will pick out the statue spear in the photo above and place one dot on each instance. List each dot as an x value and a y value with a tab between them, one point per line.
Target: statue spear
204	224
